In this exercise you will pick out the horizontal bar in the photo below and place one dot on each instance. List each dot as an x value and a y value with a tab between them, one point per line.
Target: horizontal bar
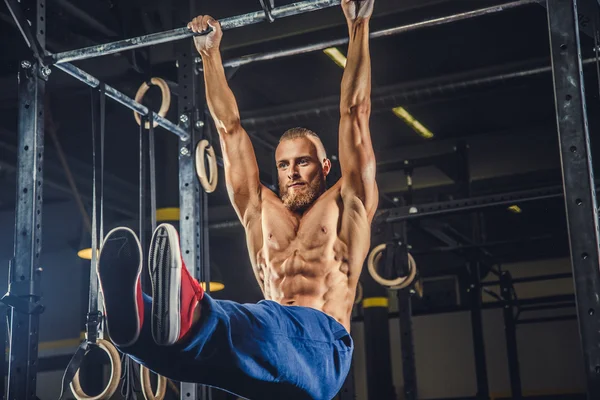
183	33
469	204
546	307
236	62
485	306
532	279
546	319
123	99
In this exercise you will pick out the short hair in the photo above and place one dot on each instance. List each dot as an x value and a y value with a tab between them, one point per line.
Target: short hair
296	133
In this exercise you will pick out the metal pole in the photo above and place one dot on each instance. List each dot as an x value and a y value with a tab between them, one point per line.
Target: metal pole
24	290
236	62
578	179
383	98
189	189
409	369
183	33
510	331
123	99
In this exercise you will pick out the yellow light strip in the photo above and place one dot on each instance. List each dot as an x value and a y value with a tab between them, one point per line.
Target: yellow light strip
515	208
400	112
336	56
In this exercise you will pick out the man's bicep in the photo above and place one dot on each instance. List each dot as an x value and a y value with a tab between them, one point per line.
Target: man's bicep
241	171
357	160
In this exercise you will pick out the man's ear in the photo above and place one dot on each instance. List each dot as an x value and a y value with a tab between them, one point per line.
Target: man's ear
326	166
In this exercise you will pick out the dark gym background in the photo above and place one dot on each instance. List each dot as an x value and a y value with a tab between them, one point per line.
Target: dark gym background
504	127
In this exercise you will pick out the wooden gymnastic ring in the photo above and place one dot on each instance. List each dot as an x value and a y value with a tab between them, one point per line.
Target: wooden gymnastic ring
359	294
166	99
113	381
209	184
398	283
161	386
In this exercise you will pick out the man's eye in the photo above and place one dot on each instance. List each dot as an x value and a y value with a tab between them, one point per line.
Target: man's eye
281	166
304	161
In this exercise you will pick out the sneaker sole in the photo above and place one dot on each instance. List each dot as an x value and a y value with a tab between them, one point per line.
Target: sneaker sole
165	273
118	283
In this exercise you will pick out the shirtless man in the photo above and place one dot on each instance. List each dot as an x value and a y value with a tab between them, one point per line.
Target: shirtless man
307	248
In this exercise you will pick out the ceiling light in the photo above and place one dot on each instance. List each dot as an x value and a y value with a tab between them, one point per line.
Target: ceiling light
400	112
339	58
336	56
515	209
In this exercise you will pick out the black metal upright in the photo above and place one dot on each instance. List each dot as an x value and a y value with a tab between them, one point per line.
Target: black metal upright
24	290
510	332
190	198
578	178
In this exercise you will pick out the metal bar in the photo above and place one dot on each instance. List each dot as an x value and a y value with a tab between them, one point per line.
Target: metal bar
123	99
532	279
485	306
385	98
189	188
409	369
476	301
25	271
25	27
546	319
578	179
510	331
236	62
183	33
474	203
546	307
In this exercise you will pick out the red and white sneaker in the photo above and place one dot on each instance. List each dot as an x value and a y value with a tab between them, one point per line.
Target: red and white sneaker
119	268
175	293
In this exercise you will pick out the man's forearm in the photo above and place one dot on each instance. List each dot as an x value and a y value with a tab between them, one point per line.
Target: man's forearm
220	98
356	82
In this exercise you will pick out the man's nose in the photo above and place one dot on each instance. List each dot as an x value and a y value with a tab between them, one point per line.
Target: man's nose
293	173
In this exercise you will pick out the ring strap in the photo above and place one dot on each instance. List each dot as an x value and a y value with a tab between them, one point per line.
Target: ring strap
94	315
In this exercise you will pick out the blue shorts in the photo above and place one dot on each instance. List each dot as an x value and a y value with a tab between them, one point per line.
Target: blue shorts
257	351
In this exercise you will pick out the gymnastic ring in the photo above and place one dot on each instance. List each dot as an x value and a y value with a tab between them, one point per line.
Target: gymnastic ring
161	386
166	99
113	381
209	184
359	294
398	283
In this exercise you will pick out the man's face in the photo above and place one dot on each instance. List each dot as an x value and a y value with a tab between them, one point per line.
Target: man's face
301	173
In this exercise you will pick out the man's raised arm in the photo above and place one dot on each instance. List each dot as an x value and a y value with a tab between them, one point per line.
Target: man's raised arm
241	169
357	159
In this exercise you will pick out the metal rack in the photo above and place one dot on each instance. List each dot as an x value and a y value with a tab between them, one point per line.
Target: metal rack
24	292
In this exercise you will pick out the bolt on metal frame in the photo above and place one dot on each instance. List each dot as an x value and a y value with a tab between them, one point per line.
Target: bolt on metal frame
573	131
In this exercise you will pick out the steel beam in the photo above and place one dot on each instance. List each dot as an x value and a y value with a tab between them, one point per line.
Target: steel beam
252	58
24	290
123	99
183	33
189	189
510	331
578	179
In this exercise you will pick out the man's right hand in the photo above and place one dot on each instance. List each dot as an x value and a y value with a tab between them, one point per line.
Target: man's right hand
206	44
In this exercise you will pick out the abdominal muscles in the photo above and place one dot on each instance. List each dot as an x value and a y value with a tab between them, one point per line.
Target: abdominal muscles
312	278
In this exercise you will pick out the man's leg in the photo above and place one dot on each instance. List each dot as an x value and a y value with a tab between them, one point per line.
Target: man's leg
258	351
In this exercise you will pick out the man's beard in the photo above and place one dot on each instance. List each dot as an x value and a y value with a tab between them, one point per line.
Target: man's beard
299	201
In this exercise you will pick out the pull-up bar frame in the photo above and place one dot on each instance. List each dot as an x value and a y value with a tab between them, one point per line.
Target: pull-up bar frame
24	277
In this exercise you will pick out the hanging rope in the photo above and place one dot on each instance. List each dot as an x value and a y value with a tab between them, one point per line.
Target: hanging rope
94	333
